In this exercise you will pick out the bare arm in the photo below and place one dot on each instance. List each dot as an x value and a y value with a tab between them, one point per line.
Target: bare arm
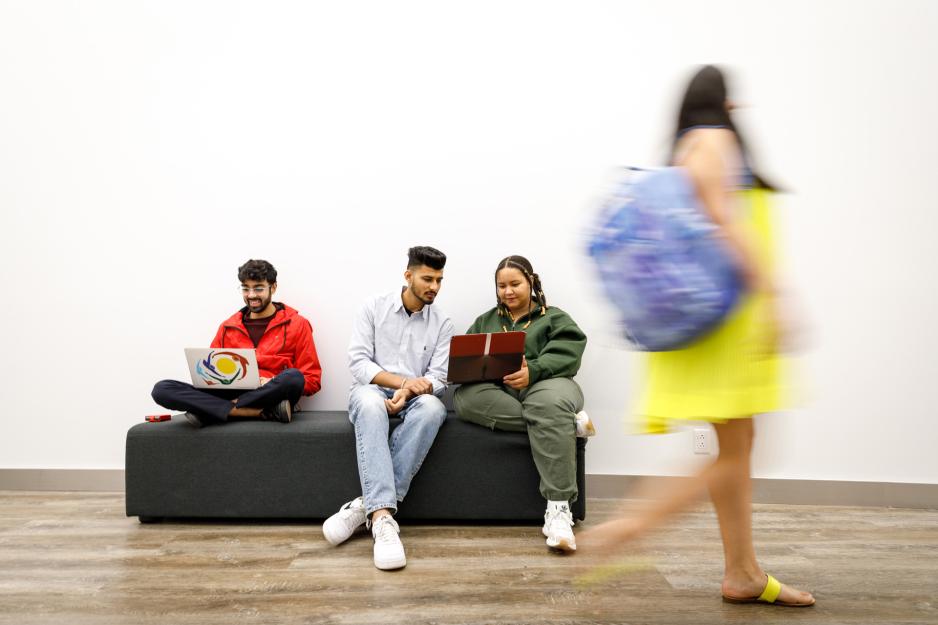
389	380
413	386
707	168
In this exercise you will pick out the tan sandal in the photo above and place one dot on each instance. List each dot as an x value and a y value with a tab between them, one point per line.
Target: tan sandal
769	595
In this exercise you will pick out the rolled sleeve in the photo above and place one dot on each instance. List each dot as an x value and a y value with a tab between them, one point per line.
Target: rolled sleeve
361	349
306	360
439	362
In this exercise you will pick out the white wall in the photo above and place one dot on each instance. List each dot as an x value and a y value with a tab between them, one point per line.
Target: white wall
148	148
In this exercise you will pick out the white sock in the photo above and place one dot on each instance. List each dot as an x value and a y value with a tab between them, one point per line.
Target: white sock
558	505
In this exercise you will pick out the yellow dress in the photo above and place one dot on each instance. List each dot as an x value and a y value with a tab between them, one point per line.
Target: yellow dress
730	373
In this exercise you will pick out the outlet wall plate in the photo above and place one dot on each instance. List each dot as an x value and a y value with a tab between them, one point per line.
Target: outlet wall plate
702	441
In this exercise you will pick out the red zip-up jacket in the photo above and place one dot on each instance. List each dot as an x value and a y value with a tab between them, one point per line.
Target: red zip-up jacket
287	342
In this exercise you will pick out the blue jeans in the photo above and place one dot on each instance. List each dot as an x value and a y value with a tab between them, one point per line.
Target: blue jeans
386	465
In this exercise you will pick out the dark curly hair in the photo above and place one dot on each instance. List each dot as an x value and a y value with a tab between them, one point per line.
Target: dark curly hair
258	270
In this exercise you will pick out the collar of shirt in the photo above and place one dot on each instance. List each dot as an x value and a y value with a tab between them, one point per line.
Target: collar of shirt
412	347
401	308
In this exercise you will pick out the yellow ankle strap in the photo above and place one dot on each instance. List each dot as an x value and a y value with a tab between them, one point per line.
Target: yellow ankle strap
772	588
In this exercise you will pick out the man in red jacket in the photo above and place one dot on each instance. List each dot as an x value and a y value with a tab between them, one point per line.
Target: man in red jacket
286	357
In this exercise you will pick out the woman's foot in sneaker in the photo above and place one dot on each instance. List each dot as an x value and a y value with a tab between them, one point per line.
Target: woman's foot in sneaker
584	425
558	526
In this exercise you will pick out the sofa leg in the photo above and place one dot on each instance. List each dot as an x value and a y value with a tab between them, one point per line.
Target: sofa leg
150	519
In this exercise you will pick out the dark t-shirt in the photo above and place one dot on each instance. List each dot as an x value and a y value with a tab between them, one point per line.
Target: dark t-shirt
256	327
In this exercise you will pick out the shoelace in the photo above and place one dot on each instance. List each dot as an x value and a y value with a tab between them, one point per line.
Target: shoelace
385	532
560	514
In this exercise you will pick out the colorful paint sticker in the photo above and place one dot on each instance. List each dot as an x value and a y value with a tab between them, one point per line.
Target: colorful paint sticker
222	368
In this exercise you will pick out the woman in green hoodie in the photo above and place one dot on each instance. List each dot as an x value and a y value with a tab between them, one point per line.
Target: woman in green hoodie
541	398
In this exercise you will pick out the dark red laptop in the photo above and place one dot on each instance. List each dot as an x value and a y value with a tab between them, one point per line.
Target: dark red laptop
484	357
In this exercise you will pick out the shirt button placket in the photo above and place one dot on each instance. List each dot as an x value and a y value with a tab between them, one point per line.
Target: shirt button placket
405	341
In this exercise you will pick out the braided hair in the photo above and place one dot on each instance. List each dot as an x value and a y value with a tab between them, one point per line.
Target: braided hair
523	265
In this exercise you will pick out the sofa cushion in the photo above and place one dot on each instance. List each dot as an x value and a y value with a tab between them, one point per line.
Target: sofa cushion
307	469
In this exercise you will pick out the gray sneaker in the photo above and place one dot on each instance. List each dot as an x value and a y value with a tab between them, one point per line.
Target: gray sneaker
282	412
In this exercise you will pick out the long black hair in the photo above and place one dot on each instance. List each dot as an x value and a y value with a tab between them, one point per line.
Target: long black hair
523	265
704	104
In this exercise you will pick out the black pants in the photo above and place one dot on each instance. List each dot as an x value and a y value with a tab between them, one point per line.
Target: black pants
214	405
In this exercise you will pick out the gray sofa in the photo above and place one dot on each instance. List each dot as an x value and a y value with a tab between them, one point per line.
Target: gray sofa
306	469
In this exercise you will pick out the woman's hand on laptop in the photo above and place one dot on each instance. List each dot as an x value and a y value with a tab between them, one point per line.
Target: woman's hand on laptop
520	378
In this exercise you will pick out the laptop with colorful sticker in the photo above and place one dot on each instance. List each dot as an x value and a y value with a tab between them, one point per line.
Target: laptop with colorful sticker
223	368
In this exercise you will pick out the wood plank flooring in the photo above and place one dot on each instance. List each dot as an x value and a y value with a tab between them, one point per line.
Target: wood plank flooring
75	558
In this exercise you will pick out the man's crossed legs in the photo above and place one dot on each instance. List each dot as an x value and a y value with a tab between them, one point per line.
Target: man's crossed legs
273	401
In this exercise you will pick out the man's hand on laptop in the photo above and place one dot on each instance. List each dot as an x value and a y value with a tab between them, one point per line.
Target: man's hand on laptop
418	386
264	380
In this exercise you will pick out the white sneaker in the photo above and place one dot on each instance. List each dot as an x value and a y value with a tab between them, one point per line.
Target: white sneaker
343	523
558	526
389	551
584	425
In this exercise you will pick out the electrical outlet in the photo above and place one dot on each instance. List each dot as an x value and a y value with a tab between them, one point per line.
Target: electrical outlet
702	441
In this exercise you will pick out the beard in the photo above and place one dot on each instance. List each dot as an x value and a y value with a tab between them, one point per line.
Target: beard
254	307
427	296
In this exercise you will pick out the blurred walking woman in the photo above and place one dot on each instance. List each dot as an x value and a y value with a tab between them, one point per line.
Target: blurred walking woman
541	398
732	373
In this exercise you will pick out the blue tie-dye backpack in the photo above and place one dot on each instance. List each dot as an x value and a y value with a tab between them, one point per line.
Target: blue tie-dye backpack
660	260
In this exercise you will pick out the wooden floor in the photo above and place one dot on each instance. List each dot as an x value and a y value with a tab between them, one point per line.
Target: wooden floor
75	558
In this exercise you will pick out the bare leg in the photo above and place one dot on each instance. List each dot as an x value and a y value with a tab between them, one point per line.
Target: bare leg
732	498
244	413
650	509
730	488
731	492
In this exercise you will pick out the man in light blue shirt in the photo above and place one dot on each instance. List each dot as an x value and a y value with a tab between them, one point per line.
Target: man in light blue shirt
398	356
